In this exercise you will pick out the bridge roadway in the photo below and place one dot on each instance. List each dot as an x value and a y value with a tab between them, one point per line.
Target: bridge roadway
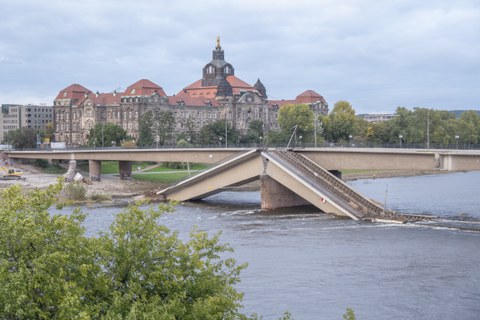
328	158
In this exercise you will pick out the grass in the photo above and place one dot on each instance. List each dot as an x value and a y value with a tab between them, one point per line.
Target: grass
193	166
165	178
109	167
54	169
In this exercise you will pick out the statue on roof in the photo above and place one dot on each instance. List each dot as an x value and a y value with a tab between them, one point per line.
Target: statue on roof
218	47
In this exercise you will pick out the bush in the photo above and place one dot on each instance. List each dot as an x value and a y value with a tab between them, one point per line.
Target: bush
42	163
75	191
100	197
49	268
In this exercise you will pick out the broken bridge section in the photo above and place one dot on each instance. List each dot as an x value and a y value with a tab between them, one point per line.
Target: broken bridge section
287	179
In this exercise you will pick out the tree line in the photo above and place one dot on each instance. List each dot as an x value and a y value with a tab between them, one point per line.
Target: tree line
298	124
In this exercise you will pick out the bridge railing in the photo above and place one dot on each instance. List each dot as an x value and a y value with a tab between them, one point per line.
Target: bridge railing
422	146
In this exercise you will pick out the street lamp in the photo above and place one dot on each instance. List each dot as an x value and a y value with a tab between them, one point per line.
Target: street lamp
456	138
351	138
400	137
157	140
220	142
300	140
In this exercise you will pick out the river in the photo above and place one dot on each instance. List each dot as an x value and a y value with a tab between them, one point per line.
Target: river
316	266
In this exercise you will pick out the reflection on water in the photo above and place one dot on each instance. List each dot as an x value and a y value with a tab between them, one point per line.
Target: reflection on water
315	265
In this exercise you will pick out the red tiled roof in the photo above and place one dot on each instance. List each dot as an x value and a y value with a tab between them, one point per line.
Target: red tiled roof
105	99
196	90
306	97
190	100
144	87
73	91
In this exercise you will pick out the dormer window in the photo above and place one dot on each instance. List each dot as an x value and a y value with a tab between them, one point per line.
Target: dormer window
210	69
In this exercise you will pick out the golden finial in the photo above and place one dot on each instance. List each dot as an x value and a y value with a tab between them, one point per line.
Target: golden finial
218	43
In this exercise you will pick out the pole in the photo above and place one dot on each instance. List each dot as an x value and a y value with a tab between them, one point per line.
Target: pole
428	130
385	202
226	131
315	123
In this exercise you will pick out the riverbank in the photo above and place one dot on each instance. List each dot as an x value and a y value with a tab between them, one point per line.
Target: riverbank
112	187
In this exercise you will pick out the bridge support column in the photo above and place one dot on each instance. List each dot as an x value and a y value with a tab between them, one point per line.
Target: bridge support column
125	169
95	169
336	173
275	195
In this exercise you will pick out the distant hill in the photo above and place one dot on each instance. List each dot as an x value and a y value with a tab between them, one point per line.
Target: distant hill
458	113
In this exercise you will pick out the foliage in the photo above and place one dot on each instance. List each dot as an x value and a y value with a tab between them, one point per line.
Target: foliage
277	138
191	134
42	163
49	132
128	144
145	124
163	124
100	197
49	268
340	123
75	191
300	115
22	138
106	135
162	178
349	315
214	133
254	132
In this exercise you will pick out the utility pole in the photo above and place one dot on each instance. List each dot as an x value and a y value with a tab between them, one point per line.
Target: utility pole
428	129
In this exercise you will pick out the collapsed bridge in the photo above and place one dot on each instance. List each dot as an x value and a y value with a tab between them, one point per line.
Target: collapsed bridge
287	179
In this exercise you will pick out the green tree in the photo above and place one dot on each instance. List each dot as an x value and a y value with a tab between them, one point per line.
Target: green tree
300	115
254	132
22	138
349	315
214	133
340	123
103	134
145	124
163	125
470	127
49	268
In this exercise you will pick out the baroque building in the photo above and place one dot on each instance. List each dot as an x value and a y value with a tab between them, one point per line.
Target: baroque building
218	95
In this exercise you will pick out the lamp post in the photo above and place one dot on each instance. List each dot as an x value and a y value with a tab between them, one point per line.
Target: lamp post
157	140
456	138
351	139
261	141
220	142
300	140
400	137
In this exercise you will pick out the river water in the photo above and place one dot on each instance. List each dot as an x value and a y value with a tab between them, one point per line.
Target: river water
316	266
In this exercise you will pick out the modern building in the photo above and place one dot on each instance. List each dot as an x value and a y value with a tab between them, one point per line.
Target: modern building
377	117
15	116
218	95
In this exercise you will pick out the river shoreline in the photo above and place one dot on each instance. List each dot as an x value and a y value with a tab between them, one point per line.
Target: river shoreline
111	187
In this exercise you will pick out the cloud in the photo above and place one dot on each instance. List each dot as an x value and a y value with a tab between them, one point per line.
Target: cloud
376	55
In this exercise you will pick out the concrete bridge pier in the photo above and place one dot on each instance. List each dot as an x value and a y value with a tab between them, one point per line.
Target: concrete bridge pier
125	169
95	169
275	195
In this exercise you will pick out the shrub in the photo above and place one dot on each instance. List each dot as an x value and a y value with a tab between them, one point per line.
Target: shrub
75	191
101	197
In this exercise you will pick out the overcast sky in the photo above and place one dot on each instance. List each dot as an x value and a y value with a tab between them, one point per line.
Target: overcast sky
375	54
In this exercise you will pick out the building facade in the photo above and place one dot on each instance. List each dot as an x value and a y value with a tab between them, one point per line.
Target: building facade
14	116
218	95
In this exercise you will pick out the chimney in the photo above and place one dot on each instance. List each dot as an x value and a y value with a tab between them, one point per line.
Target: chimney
114	93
